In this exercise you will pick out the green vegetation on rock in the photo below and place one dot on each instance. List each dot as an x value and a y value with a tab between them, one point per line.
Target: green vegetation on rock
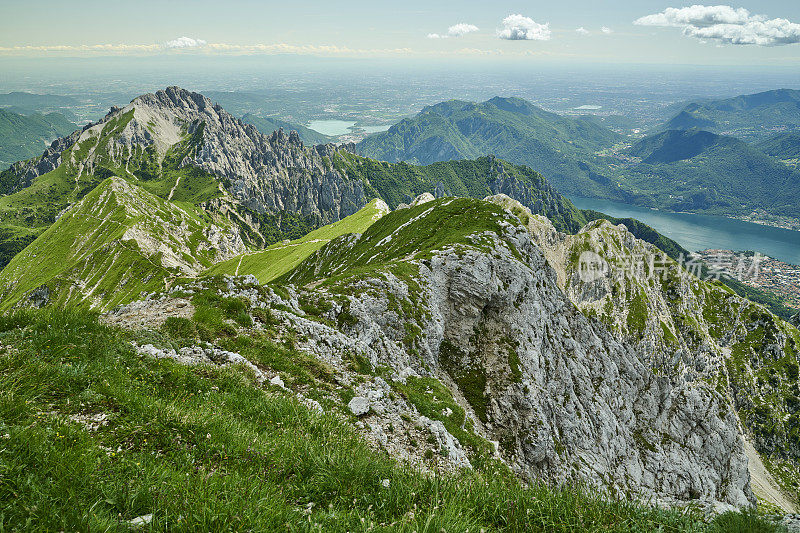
403	235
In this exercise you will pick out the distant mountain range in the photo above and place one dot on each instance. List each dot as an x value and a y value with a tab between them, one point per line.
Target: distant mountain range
180	146
748	116
695	170
36	103
683	168
24	136
561	148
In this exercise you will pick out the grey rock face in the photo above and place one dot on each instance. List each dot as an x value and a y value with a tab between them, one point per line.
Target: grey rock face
582	405
267	172
40	296
689	330
565	398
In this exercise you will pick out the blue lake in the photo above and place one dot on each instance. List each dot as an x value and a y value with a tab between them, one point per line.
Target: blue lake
701	232
331	127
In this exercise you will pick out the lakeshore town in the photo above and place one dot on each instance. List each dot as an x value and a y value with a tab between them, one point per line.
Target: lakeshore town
781	278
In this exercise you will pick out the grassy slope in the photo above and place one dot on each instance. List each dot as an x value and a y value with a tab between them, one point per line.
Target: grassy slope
25	136
204	448
401	235
25	214
86	245
280	258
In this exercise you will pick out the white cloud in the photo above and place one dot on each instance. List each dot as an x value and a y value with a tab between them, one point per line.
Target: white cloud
521	28
726	25
606	30
456	30
185	42
582	31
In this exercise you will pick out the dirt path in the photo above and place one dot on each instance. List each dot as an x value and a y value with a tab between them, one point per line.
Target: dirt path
177	181
764	485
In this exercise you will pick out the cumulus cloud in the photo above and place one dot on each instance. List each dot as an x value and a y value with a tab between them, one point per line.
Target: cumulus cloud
582	31
456	30
726	25
606	30
521	28
185	42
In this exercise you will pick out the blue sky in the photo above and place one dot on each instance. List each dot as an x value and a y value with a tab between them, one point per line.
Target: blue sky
644	31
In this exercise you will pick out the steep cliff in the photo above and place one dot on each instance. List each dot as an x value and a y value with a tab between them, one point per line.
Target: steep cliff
691	330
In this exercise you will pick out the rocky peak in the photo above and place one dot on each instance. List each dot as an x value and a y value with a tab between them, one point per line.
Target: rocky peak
176	98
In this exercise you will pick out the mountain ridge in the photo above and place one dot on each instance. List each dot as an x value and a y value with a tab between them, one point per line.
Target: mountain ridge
24	136
747	116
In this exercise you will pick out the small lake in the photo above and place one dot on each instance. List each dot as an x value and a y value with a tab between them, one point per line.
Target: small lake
701	232
331	127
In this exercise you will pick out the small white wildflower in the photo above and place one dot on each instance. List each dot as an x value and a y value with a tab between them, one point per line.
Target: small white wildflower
385	483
